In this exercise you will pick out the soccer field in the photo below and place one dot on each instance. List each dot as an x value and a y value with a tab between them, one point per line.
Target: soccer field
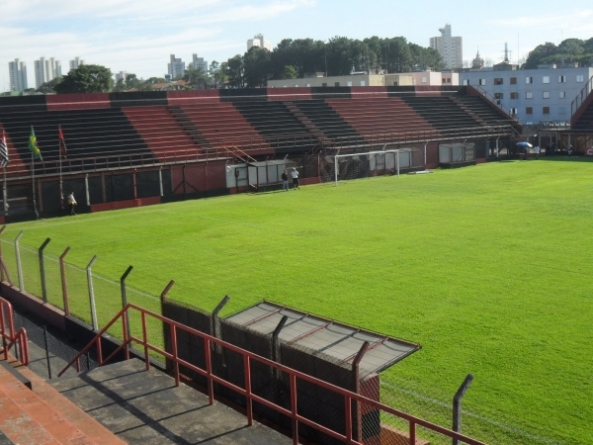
487	267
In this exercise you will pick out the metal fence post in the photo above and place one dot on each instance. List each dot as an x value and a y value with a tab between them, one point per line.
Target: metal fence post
457	405
64	281
124	296
42	270
89	277
19	268
2	274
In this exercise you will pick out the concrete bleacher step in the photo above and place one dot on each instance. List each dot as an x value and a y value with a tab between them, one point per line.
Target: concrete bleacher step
145	407
38	416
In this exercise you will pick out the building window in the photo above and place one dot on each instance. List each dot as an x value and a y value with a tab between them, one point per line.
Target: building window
349	83
546	94
561	79
337	84
513	81
561	94
498	81
498	95
424	79
363	83
465	82
324	84
513	111
546	110
528	94
546	79
529	79
580	78
481	81
514	95
529	110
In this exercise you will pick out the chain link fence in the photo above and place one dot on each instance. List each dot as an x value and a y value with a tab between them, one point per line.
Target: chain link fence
72	289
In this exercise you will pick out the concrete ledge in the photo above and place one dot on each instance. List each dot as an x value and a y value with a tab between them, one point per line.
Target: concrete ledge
16	374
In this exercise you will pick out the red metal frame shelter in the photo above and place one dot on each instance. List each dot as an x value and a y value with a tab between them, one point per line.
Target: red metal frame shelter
294	377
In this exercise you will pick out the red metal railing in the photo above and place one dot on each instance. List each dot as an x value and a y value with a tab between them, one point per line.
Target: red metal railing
248	357
11	338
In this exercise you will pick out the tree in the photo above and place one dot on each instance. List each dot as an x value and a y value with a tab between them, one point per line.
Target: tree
48	87
258	67
86	79
235	72
196	76
217	73
290	72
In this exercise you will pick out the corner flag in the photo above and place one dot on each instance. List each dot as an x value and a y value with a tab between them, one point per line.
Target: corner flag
33	145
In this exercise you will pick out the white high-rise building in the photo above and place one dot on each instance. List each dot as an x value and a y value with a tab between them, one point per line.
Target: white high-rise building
450	48
18	75
259	40
46	70
74	64
176	67
199	62
120	76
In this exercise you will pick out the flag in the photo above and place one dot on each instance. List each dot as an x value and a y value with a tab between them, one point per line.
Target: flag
33	145
3	151
63	150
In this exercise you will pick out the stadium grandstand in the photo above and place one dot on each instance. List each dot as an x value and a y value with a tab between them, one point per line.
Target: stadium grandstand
128	149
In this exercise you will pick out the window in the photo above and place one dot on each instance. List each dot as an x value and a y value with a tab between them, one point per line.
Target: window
363	83
529	79
514	95
580	78
546	94
481	81
561	79
561	94
349	83
324	84
465	82
513	111
424	79
498	81
498	95
546	110
546	79
528	94
513	81
308	85
337	84
529	110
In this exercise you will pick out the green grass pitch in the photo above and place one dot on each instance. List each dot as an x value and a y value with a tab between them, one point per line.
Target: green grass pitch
488	267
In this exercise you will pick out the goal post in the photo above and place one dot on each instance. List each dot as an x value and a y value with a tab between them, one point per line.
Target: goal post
358	165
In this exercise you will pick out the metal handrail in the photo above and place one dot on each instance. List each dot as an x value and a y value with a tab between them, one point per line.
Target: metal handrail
12	338
293	375
581	96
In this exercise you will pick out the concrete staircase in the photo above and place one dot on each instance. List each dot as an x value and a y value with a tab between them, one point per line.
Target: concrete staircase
145	407
41	416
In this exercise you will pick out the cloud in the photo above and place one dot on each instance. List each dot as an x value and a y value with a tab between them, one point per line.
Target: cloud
547	21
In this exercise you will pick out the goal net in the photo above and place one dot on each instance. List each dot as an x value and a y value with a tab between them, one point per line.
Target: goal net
351	166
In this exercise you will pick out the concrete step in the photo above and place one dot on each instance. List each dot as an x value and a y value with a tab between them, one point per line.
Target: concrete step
145	408
26	418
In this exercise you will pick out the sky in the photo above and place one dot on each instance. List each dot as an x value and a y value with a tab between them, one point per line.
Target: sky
138	36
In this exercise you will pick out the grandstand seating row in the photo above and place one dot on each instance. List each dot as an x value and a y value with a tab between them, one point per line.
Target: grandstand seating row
136	128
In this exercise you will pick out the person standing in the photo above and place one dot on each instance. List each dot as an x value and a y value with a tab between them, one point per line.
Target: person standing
536	151
295	178
71	203
284	181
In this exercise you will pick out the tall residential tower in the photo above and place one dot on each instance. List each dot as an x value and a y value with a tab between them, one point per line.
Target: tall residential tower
450	48
18	75
46	70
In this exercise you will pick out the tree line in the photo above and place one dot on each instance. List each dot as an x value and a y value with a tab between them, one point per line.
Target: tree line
569	51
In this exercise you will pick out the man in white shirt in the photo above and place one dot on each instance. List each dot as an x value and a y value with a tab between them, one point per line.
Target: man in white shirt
536	151
294	174
71	203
